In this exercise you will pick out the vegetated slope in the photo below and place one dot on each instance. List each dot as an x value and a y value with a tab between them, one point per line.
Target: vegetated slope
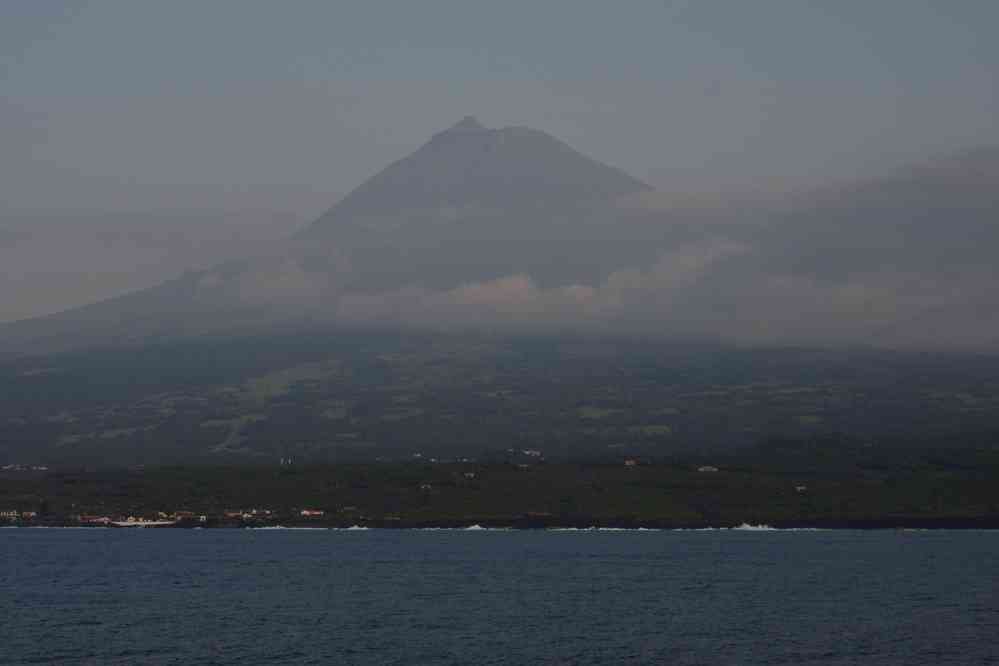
339	397
511	230
827	483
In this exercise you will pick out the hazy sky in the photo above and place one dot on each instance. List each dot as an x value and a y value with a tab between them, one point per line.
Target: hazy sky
140	139
125	105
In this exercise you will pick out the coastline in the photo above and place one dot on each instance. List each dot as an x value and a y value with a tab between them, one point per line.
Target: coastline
543	496
876	524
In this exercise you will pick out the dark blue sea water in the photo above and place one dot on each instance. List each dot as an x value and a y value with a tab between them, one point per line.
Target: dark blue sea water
454	597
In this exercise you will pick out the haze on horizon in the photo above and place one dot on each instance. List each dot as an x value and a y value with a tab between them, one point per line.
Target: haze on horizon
144	141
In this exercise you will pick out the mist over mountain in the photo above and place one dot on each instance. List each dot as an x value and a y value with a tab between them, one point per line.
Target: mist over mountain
54	260
471	205
495	288
511	230
477	204
469	167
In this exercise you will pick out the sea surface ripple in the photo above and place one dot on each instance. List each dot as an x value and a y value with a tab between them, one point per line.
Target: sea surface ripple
498	597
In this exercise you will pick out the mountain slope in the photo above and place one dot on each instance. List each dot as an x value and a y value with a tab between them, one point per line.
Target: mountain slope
469	167
477	204
471	204
512	230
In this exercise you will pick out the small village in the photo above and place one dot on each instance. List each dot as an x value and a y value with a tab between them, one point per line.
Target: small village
270	516
253	517
527	490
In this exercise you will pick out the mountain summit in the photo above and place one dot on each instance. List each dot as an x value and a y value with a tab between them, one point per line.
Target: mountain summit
511	229
472	204
469	167
467	123
475	204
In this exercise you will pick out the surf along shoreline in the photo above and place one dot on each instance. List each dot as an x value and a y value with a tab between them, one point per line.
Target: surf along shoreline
526	524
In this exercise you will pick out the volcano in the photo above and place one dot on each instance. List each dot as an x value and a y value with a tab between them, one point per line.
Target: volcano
476	204
469	169
471	204
512	230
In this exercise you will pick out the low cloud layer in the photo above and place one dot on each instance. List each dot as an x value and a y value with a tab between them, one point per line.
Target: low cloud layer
905	262
57	260
703	293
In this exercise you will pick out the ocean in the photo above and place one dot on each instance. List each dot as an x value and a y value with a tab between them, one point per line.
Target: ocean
105	596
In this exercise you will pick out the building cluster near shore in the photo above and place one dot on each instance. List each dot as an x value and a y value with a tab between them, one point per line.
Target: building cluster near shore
175	518
258	516
12	515
160	519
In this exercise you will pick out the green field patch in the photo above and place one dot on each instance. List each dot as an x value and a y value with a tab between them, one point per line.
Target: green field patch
61	417
40	372
797	390
653	430
335	413
401	414
722	393
280	382
967	399
596	413
234	437
218	423
119	432
112	433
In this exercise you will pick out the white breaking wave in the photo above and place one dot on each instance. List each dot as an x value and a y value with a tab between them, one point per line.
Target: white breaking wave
744	527
747	527
755	528
594	528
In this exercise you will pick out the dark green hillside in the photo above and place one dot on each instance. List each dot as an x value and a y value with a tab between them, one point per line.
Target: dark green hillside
824	482
359	396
